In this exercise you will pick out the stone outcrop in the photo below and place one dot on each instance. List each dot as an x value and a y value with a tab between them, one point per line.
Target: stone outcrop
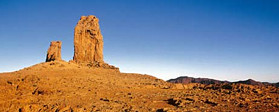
54	51
88	45
88	41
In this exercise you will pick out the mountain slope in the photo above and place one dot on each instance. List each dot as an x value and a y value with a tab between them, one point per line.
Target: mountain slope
56	85
187	80
68	87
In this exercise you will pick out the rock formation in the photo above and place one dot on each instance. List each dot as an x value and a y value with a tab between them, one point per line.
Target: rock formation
88	41
88	45
54	51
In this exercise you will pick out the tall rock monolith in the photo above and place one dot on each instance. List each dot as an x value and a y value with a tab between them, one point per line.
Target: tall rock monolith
88	41
54	51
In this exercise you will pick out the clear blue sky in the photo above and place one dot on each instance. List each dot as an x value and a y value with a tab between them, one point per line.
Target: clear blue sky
221	39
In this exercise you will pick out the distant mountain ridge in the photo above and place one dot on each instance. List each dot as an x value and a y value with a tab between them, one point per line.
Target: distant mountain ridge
187	80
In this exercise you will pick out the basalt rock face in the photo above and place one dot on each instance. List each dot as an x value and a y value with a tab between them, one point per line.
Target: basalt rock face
54	51
88	41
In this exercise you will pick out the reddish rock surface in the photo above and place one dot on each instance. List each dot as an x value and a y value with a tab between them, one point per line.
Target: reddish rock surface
54	51
88	41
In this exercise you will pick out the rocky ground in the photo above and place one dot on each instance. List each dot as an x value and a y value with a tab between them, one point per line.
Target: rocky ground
64	87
